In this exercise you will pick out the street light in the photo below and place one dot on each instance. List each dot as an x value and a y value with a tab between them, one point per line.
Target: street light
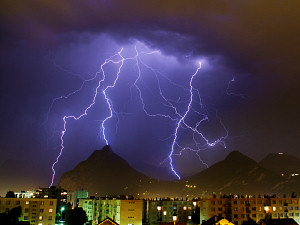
174	218
159	208
61	210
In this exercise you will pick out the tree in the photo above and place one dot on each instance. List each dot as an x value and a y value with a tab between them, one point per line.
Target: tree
76	216
196	216
10	194
11	217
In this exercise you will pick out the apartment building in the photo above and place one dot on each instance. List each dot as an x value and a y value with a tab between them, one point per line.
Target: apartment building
122	211
73	197
53	192
239	209
36	211
157	211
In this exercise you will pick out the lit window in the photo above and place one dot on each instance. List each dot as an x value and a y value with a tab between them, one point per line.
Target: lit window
184	207
274	208
189	217
50	210
27	203
40	217
40	224
165	212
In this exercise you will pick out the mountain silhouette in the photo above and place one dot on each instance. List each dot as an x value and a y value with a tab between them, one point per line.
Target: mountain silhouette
237	173
282	164
106	173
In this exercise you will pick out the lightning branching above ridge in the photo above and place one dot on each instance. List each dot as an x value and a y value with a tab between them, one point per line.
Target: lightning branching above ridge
180	119
65	118
176	114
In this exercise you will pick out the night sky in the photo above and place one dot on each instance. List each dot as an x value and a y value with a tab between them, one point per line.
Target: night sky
249	80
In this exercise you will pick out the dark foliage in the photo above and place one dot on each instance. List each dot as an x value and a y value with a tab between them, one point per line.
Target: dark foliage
10	194
76	216
196	216
11	217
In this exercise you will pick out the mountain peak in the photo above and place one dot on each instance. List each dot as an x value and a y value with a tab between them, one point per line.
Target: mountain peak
281	163
118	175
237	156
106	148
105	152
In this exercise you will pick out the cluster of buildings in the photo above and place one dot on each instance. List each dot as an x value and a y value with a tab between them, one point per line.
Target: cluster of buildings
38	211
45	207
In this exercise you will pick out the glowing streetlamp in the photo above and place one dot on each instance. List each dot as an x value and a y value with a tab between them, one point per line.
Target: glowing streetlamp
61	211
174	218
159	208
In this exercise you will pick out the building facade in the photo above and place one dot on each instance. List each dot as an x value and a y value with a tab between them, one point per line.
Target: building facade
168	210
73	197
25	194
36	211
122	211
239	209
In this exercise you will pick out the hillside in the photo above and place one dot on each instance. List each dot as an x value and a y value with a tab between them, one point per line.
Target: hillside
237	173
282	164
105	173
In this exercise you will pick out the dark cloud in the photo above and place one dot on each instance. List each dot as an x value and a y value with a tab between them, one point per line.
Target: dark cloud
253	32
47	47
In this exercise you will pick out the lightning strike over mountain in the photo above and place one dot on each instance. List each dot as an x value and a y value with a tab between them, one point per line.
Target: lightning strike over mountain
173	110
110	60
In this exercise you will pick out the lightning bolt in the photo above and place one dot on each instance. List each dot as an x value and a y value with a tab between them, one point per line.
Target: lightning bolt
65	118
175	116
180	119
228	92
